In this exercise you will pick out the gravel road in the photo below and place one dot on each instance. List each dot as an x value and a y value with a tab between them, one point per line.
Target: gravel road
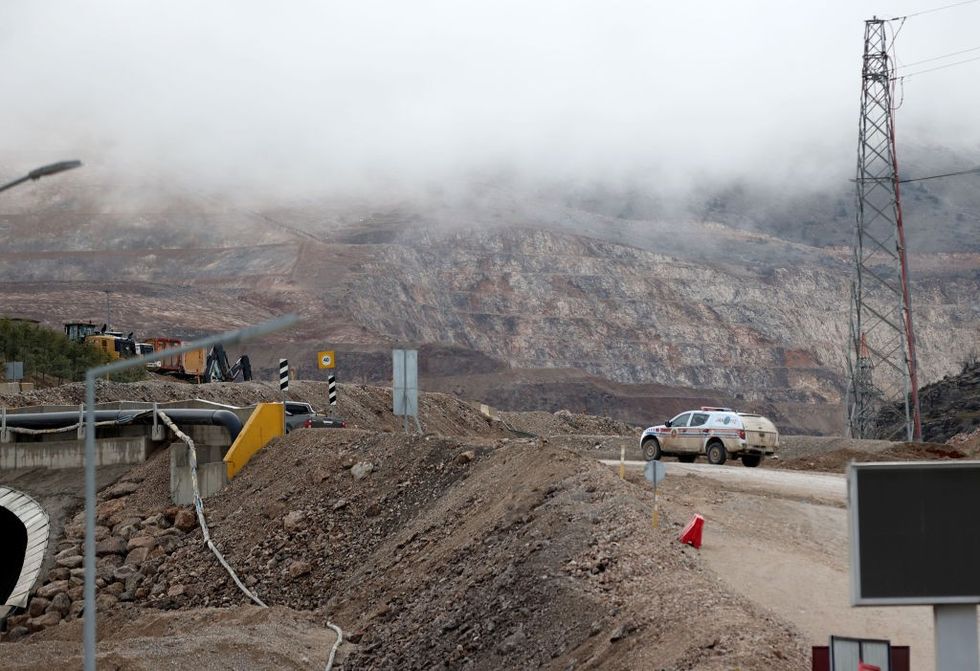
780	538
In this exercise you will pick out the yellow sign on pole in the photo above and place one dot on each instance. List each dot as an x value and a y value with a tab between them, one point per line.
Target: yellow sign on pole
325	359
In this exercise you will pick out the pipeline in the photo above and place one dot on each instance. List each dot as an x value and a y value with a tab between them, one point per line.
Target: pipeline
72	418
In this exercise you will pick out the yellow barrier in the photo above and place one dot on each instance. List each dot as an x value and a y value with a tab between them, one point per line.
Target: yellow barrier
268	421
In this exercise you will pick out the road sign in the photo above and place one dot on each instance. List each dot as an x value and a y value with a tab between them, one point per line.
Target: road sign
655	471
325	359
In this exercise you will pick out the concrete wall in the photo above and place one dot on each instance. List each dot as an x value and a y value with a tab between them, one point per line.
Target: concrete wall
211	472
71	453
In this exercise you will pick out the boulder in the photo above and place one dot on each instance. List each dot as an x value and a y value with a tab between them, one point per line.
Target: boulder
49	619
361	469
141	542
108	509
114	545
105	601
37	606
58	573
70	562
297	568
60	604
137	556
17	633
77	606
176	590
48	591
465	457
120	489
294	520
185	520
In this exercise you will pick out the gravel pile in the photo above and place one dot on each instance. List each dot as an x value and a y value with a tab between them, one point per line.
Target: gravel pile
434	552
564	422
361	406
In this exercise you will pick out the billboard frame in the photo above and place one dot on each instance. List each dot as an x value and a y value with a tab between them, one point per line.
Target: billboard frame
854	534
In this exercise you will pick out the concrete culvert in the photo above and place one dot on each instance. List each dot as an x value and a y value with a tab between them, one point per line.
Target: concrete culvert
14	535
24	530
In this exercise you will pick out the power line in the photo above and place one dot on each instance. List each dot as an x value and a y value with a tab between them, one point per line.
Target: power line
938	67
936	58
934	9
948	174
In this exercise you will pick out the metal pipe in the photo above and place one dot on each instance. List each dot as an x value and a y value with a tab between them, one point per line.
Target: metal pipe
49	420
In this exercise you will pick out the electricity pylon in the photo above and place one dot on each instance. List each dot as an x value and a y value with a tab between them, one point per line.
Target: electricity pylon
881	364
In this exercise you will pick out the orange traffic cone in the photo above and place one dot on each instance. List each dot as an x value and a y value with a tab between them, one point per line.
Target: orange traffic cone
692	532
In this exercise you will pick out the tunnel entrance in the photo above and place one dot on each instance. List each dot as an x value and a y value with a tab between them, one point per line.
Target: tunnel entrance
14	535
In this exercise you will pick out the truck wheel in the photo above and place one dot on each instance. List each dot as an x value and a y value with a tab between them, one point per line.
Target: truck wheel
751	460
687	458
717	454
651	449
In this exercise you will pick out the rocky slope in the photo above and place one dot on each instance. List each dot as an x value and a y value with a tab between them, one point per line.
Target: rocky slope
525	302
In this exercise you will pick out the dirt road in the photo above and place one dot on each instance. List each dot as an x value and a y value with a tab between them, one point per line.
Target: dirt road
780	539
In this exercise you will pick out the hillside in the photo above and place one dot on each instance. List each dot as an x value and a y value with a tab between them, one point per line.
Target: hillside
538	301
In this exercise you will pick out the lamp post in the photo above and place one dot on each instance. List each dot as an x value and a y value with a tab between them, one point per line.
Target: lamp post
43	171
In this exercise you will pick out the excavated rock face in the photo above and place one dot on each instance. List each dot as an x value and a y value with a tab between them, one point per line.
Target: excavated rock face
489	288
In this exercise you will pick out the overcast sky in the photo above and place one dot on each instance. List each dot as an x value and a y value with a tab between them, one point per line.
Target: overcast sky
318	95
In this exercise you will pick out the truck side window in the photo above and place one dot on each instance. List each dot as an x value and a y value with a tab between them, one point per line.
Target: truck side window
680	420
698	419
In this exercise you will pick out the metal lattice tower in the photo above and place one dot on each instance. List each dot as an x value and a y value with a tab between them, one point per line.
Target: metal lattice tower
881	364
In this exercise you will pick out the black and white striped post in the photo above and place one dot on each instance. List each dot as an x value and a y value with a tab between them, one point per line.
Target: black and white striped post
332	389
283	375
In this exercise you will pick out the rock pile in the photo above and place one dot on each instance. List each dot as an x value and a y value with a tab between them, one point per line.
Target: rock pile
128	547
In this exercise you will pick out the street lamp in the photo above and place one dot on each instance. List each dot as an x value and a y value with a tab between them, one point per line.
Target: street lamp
43	171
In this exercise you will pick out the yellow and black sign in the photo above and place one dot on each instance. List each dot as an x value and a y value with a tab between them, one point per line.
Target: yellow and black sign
325	359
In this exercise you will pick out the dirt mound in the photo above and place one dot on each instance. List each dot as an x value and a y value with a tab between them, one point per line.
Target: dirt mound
435	552
968	442
838	459
244	637
362	406
563	422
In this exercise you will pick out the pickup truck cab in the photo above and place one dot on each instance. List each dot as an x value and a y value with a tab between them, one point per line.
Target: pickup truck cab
302	415
716	433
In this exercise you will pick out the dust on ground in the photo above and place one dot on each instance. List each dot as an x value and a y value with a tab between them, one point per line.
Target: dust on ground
239	637
437	552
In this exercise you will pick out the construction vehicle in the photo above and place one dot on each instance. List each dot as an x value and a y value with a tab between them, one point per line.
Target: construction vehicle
197	365
188	365
113	343
218	370
200	366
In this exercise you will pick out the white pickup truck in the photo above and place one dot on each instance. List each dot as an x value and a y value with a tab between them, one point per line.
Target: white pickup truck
716	433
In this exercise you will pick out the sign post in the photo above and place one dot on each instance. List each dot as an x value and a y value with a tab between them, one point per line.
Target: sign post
405	387
655	471
284	376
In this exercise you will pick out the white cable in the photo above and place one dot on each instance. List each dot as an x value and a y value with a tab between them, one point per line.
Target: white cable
336	644
199	507
36	432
